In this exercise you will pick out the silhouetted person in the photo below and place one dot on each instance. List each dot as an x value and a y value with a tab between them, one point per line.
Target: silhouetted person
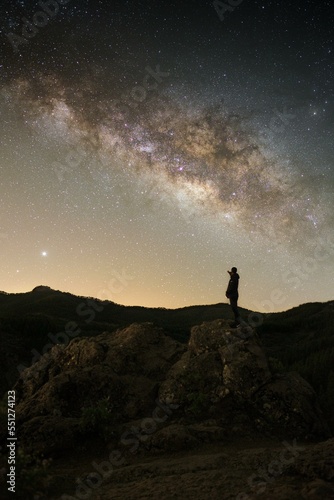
232	293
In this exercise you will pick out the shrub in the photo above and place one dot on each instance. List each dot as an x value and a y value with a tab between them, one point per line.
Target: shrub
97	418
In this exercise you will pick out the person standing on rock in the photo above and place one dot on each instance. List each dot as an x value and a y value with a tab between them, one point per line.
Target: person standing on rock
232	293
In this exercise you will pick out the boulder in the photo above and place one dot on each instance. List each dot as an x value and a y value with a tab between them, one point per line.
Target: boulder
115	373
220	361
288	406
225	374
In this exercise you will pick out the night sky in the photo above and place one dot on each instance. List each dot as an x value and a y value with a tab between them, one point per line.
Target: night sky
147	147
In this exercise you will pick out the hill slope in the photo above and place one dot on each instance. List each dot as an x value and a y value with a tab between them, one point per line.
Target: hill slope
302	339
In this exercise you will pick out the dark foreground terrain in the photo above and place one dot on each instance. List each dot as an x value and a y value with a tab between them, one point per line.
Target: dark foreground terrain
165	409
248	469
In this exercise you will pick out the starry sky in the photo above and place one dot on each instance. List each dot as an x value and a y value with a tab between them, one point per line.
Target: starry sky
148	147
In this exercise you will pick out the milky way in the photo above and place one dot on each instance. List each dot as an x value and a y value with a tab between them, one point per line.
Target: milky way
209	154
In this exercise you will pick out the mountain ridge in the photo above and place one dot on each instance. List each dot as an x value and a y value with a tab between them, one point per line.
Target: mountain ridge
47	289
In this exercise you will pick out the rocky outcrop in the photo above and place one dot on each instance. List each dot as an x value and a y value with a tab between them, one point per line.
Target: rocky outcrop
220	361
167	394
225	374
120	370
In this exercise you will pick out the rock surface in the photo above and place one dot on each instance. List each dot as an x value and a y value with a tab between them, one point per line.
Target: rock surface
121	370
138	384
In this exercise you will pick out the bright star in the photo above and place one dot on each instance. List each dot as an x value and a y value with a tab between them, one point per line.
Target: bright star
44	254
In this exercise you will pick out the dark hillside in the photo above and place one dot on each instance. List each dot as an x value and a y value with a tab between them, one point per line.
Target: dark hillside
302	339
67	307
